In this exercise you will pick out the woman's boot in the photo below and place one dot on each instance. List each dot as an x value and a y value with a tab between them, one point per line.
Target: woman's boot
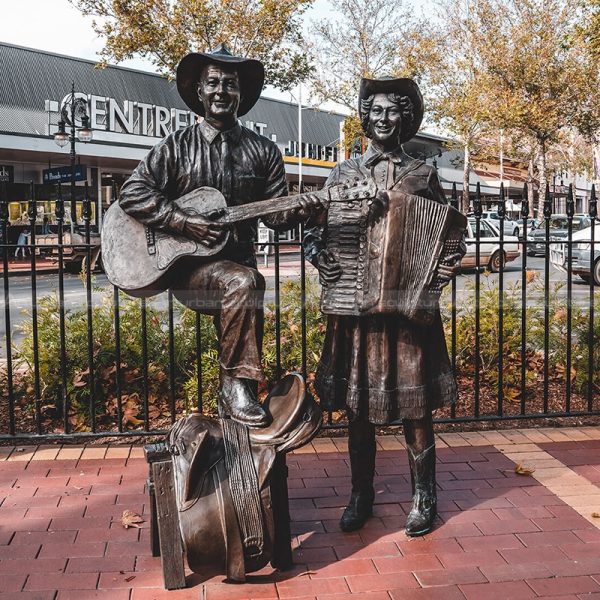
361	447
420	443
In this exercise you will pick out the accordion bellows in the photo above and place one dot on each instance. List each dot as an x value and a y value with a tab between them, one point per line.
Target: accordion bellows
389	264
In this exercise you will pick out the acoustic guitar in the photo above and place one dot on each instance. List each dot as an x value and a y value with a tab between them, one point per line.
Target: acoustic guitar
136	258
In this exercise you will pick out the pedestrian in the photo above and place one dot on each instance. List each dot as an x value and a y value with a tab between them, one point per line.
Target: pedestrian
22	242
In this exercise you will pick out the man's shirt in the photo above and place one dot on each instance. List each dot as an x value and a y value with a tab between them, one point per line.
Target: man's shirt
191	158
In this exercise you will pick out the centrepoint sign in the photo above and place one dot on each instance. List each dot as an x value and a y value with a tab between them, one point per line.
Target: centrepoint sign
134	118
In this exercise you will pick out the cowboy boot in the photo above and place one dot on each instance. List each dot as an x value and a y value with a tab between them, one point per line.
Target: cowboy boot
361	448
421	459
237	401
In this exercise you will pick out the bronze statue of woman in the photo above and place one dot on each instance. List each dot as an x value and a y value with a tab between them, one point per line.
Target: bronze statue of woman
383	368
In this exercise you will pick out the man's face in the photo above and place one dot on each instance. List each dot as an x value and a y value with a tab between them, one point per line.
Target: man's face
385	121
219	91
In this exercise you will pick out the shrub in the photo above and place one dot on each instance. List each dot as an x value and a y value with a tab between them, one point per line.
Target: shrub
191	327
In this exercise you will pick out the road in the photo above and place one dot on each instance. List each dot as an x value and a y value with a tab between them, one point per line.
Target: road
20	296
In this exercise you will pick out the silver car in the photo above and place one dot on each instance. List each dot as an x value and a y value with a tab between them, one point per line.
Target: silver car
510	227
581	255
559	230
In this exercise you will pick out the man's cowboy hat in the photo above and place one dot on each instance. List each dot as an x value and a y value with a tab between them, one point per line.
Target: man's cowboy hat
401	86
251	73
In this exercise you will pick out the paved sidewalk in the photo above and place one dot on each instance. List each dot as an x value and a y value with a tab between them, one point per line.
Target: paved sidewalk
500	536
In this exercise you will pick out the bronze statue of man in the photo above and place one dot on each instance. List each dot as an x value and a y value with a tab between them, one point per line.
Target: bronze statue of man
244	166
383	368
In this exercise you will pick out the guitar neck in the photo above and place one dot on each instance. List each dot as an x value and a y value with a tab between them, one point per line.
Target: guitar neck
254	210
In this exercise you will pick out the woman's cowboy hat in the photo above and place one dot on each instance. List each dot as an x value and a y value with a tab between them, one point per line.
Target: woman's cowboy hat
251	73
401	86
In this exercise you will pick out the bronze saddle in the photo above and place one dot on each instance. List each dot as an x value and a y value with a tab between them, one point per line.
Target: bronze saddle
224	484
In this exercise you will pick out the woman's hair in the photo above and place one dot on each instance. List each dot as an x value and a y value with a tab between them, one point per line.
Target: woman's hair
404	103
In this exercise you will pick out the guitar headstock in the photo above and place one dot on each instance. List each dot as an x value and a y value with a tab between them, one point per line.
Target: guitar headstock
356	188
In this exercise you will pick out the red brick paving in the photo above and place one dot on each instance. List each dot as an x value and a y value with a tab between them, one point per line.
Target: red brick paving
498	536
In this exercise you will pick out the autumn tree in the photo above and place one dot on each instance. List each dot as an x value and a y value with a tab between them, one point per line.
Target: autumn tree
367	38
585	41
457	90
165	30
533	70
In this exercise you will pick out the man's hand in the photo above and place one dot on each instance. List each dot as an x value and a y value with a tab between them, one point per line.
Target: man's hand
329	268
449	267
203	230
309	204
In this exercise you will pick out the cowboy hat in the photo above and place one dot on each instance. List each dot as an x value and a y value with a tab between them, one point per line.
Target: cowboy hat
401	86
250	72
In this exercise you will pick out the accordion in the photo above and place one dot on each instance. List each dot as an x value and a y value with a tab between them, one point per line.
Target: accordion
389	264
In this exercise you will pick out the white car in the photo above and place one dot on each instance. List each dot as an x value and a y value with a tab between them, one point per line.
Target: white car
510	227
580	254
491	255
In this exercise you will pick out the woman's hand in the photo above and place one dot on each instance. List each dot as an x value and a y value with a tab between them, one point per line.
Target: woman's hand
329	268
449	267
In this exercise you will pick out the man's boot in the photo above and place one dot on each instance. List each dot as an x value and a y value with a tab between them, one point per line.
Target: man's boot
237	401
361	447
421	458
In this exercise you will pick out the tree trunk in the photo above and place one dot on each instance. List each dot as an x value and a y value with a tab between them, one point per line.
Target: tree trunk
530	188
465	201
596	158
542	176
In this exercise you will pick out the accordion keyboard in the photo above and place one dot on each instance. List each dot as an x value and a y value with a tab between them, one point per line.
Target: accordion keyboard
346	233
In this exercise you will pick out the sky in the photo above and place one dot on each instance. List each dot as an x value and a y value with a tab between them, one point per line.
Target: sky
59	27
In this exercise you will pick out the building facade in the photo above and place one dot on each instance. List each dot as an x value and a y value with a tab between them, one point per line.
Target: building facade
130	111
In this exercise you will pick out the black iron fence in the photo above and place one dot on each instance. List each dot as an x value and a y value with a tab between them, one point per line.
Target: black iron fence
79	357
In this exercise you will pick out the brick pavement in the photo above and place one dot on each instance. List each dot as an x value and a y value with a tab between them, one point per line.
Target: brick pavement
499	535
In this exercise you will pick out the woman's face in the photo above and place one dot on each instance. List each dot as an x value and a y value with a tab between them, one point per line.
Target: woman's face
385	121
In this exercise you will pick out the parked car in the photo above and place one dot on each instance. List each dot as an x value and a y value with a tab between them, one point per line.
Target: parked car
559	230
511	227
491	255
581	260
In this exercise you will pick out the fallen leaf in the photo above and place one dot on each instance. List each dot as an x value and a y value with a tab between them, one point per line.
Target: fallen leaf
131	519
523	470
596	515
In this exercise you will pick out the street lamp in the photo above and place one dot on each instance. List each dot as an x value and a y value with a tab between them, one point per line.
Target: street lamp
72	109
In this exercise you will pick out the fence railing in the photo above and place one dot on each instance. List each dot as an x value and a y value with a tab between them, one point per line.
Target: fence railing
79	357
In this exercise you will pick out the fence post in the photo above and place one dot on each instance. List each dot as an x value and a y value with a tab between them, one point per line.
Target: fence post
524	217
547	215
501	214
593	212
7	319
477	211
86	213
